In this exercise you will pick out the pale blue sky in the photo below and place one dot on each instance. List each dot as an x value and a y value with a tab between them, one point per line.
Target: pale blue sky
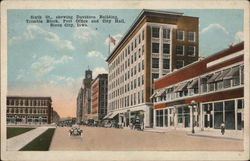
51	61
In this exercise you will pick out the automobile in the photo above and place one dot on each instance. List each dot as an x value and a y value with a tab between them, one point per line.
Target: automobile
75	130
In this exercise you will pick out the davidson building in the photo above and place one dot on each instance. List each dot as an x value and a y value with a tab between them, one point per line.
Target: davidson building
158	43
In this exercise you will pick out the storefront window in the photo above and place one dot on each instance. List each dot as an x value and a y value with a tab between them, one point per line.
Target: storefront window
187	117
159	118
180	120
229	115
227	83
218	114
166	117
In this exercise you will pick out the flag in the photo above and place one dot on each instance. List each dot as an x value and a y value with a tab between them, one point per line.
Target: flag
112	40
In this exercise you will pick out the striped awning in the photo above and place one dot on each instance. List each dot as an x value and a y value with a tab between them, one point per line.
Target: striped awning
222	75
212	79
234	72
193	83
181	87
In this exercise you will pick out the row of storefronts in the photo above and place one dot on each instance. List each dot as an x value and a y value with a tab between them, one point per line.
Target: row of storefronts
204	94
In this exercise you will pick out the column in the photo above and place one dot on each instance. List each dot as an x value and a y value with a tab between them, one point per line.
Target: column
191	117
154	117
161	52
175	117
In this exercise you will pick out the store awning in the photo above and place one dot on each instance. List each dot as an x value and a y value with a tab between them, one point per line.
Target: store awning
222	75
113	115
181	87
160	92
193	83
212	79
154	94
107	116
234	72
205	78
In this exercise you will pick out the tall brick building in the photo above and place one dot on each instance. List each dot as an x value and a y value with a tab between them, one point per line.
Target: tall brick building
99	92
157	43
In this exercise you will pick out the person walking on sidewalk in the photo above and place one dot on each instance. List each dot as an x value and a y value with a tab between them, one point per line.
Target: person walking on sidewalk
222	127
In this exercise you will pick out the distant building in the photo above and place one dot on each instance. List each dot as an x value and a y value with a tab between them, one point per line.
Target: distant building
203	94
157	43
29	110
99	92
83	111
55	116
79	106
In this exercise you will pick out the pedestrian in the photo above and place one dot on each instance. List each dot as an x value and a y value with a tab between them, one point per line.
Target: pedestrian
222	126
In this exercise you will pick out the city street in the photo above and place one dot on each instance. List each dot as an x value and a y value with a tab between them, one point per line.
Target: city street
95	138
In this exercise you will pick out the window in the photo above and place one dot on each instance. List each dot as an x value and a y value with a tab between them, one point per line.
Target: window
142	34
139	101
139	67
135	83
166	48
134	98
142	79
166	64
180	50
155	76
155	47
142	48
142	96
180	35
179	64
139	37
142	65
166	33
191	36
155	63
155	32
139	81
159	118
191	51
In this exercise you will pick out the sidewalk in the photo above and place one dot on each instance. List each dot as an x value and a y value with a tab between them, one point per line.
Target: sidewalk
17	142
229	134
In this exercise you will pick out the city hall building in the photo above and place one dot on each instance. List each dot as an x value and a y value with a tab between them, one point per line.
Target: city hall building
29	110
203	94
157	43
99	94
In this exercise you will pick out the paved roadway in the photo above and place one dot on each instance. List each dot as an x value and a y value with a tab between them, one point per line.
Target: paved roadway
120	139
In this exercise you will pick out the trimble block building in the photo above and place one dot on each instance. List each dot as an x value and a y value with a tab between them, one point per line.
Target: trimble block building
157	43
203	94
99	94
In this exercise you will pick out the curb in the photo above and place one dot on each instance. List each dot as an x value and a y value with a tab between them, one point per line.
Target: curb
215	137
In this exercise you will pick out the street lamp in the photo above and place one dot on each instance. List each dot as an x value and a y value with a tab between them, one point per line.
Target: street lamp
193	103
40	118
15	119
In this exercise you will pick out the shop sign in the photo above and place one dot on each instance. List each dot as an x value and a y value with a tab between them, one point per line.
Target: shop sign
175	103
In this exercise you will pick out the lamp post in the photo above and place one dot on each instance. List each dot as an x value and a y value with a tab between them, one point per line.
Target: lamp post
40	118
193	103
15	119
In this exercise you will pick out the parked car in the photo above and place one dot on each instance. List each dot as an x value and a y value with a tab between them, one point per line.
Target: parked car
75	130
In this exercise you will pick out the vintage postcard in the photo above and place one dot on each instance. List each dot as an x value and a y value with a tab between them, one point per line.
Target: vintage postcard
116	80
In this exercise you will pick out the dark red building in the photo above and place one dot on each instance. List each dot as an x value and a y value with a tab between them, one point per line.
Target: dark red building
203	94
29	110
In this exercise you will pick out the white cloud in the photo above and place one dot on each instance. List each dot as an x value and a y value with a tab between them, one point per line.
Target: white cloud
34	31
21	74
238	37
214	26
95	53
56	80
46	64
99	70
85	33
